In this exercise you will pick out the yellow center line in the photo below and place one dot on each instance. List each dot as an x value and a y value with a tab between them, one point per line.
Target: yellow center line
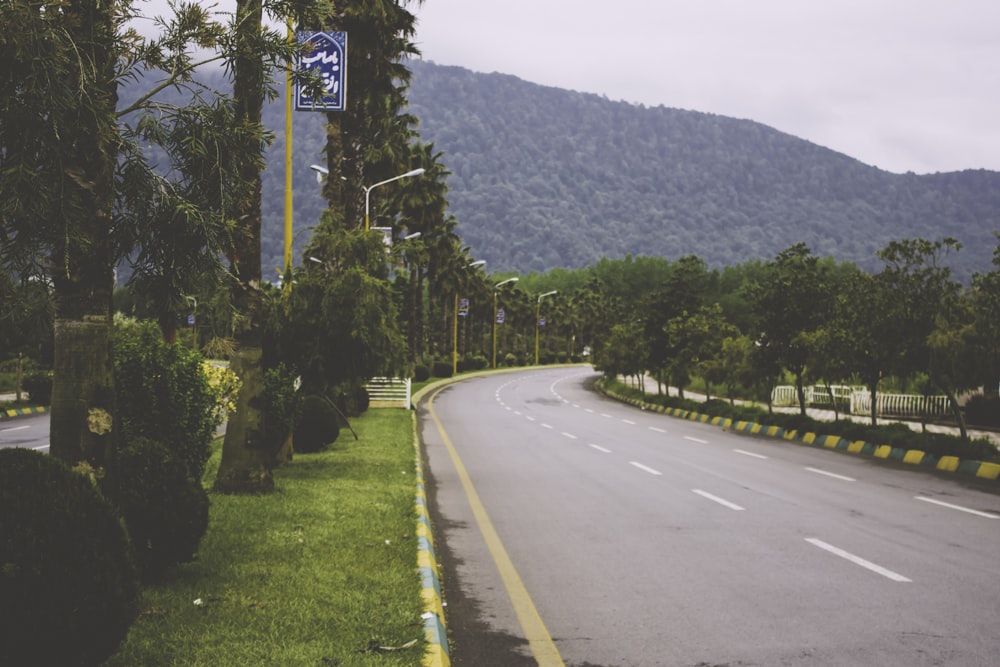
539	641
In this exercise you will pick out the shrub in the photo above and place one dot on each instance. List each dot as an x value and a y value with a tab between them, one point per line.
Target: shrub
165	509
39	388
317	425
509	359
983	410
472	362
281	402
68	584
420	373
442	368
163	394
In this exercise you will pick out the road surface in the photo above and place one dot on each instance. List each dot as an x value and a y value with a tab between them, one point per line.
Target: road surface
577	530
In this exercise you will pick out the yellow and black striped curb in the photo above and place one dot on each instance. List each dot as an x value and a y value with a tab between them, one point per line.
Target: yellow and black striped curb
17	412
982	469
434	622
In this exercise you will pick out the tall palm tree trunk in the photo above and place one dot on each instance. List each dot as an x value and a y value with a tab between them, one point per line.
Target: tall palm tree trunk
246	464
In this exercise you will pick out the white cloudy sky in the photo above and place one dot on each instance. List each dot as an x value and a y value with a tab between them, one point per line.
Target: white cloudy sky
905	85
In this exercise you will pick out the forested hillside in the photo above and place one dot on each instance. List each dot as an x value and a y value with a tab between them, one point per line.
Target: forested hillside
544	178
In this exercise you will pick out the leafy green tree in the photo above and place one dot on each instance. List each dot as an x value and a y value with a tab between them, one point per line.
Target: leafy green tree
985	296
791	299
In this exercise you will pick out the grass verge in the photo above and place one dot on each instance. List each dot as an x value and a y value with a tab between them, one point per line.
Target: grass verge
320	573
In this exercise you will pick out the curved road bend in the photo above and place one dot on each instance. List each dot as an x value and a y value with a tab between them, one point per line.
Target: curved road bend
618	537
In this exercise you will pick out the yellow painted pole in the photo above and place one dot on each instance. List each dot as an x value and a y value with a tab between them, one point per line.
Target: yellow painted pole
289	209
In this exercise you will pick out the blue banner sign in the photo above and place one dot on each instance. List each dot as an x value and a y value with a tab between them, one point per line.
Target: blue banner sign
328	60
501	316
463	307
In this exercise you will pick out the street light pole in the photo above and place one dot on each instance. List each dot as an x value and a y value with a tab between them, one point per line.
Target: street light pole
194	320
454	324
496	288
369	188
538	313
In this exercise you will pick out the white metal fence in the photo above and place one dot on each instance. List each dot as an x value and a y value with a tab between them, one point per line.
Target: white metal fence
858	401
388	392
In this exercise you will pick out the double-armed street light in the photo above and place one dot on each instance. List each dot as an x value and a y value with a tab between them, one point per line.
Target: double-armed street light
538	314
454	323
369	188
496	288
322	171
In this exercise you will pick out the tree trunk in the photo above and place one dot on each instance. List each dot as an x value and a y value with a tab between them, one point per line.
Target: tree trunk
82	419
246	460
801	393
246	465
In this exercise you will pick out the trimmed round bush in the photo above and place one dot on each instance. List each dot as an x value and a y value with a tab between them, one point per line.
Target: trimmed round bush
165	510
68	585
317	425
420	372
442	368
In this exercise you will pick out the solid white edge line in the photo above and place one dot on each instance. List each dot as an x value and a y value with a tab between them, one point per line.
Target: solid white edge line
831	474
857	560
717	499
651	471
746	453
986	515
600	449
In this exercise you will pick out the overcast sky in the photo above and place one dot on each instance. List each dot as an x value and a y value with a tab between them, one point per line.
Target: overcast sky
905	85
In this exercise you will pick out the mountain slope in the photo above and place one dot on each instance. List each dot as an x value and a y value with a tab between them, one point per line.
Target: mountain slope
545	177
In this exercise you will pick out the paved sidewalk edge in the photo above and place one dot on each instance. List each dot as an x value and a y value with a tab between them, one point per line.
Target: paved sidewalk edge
435	631
981	469
10	413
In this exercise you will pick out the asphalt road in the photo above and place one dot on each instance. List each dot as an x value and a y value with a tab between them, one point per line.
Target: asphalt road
30	431
577	530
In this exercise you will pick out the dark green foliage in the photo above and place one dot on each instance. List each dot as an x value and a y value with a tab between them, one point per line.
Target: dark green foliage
163	394
441	369
68	584
164	508
983	410
280	405
420	372
472	362
39	388
317	425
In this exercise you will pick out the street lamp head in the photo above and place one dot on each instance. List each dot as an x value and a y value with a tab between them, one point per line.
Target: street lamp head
504	282
409	237
316	259
320	170
478	262
414	172
541	296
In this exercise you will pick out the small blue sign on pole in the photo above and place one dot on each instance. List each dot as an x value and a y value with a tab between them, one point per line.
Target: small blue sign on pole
501	316
463	307
328	60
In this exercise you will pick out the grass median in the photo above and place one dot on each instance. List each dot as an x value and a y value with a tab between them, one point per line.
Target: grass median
322	572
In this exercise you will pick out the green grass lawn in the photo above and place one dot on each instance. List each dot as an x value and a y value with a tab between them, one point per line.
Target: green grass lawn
322	572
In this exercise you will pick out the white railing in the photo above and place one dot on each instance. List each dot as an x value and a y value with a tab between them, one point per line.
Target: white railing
388	392
819	395
899	405
860	401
